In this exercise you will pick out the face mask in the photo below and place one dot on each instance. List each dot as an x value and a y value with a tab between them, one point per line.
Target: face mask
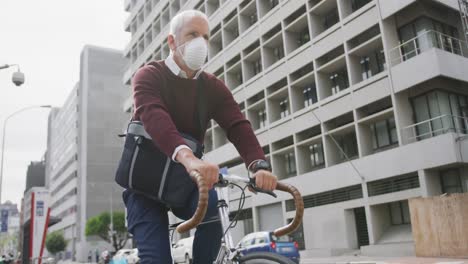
195	52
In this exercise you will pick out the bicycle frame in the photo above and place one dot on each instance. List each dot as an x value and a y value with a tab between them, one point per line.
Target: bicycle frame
227	248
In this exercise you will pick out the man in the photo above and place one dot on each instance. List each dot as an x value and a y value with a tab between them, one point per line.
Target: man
165	100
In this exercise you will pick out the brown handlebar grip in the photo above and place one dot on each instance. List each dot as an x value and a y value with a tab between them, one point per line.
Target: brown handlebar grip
202	204
299	202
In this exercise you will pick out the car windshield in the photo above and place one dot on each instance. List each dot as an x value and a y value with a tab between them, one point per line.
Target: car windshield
280	239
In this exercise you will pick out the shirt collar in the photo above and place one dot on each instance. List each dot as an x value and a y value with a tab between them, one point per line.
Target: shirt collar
172	65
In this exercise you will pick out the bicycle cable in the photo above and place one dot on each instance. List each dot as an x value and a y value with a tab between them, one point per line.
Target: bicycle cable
239	209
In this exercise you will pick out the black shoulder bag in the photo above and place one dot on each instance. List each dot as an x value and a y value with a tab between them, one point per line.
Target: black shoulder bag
145	169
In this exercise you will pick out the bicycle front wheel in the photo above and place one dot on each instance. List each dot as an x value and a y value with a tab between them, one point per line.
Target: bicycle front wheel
264	258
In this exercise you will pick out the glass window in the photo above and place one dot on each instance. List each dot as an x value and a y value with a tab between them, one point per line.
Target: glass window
451	181
444	108
399	213
310	95
278	52
339	81
365	66
331	18
303	37
421	111
290	163
273	3
284	107
258	66
384	133
357	4
316	155
262	118
348	144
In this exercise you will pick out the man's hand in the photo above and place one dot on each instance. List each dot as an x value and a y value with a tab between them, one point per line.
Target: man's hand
265	180
209	171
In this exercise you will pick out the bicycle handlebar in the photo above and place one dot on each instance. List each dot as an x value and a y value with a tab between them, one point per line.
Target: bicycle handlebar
202	204
199	214
299	202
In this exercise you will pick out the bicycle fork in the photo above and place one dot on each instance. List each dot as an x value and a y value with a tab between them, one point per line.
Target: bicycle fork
226	243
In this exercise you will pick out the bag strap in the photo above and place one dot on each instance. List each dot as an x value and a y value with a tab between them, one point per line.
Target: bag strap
200	113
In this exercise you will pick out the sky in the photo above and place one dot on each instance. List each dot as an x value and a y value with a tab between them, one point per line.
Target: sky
45	38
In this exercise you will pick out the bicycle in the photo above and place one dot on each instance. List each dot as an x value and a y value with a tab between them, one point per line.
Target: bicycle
228	253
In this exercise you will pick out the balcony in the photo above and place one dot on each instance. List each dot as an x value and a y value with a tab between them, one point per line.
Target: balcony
433	127
439	55
424	42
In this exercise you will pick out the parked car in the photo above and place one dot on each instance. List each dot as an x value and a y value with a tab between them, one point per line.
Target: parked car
133	258
268	242
122	254
182	251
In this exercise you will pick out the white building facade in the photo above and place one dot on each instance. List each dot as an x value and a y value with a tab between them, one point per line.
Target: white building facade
84	149
361	104
62	168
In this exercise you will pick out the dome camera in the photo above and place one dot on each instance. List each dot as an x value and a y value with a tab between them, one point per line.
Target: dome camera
18	78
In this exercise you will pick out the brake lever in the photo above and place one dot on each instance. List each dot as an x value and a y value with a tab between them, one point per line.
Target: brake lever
255	188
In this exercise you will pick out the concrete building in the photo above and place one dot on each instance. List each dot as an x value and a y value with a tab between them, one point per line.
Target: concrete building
34	224
9	228
35	175
83	149
362	104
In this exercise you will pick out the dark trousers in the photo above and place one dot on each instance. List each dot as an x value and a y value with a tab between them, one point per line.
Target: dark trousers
148	222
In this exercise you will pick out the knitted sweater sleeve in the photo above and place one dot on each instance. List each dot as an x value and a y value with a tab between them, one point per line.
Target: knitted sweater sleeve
237	128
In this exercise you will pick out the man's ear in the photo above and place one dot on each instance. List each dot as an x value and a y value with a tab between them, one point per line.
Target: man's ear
171	42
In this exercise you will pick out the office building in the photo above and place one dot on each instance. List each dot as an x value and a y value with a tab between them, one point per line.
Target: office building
35	175
83	150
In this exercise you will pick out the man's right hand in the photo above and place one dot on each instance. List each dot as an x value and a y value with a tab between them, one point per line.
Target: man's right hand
209	171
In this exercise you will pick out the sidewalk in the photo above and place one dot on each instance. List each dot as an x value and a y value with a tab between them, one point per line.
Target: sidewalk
381	260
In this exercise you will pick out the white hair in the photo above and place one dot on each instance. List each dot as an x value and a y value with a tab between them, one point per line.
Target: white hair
177	22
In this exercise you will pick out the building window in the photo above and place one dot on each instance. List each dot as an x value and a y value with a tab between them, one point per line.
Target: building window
273	3
258	66
303	37
357	4
442	111
425	31
365	66
279	52
348	144
399	213
451	181
284	108
290	163
310	95
339	81
239	77
384	133
262	118
316	155
372	64
330	19
253	19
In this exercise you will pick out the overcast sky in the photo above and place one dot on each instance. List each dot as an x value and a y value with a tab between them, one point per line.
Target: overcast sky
45	38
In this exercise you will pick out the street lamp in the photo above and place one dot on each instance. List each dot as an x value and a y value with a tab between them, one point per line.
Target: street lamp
3	139
18	76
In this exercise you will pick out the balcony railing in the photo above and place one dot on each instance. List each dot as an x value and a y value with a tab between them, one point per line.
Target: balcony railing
424	42
434	127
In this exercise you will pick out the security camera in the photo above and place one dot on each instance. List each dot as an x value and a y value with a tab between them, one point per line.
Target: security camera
18	78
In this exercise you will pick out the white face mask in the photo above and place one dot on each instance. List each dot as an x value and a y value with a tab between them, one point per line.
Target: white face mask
195	52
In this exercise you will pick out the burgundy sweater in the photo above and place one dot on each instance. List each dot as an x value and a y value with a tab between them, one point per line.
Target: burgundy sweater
165	103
